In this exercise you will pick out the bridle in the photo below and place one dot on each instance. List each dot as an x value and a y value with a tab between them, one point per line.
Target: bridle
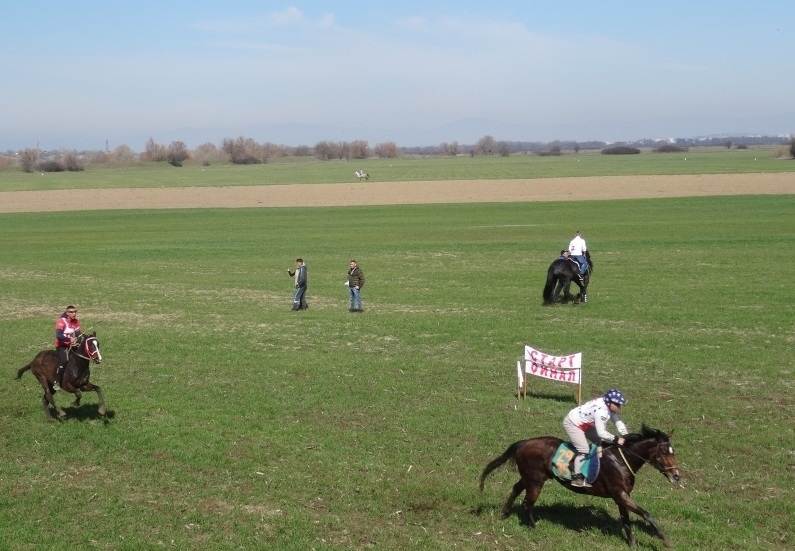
657	464
91	349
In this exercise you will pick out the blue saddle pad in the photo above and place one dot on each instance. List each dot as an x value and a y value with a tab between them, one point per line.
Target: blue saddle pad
562	462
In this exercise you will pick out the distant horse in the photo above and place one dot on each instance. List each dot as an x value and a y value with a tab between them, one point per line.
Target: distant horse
616	478
75	374
362	175
560	275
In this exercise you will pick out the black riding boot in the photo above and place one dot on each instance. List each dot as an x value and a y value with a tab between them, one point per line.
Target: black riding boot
58	376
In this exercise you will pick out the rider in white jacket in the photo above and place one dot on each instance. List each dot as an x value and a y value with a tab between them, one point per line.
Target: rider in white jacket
577	248
589	422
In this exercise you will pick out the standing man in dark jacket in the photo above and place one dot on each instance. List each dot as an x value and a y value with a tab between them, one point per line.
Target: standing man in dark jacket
355	283
299	298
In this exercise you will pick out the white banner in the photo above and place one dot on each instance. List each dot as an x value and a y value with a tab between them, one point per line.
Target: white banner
567	369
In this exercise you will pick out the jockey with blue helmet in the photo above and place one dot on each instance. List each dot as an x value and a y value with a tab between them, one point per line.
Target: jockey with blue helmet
588	422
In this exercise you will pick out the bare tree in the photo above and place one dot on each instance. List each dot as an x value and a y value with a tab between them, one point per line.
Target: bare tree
154	152
28	158
177	152
449	148
358	149
72	162
387	150
503	149
302	151
242	151
206	153
323	150
792	146
486	146
123	154
343	150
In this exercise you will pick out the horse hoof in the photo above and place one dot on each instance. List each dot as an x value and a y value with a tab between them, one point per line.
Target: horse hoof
61	414
102	412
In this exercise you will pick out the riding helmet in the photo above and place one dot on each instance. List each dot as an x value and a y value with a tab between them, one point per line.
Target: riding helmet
614	396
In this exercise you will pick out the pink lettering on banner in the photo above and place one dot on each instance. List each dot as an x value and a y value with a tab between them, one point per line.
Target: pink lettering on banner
572	361
559	368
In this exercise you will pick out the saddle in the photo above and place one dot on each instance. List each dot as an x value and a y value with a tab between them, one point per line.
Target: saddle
563	462
576	264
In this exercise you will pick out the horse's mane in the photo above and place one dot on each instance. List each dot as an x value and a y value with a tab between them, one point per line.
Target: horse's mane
646	432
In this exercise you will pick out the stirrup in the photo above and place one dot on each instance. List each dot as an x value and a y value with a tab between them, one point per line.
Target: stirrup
578	481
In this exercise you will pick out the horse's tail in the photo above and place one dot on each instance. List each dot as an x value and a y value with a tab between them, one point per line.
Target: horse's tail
22	371
550	286
508	455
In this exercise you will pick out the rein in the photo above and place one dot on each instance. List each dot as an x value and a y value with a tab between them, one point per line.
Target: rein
85	347
656	456
621	453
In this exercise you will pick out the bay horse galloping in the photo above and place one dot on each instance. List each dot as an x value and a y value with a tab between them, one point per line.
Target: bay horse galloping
561	273
75	375
616	478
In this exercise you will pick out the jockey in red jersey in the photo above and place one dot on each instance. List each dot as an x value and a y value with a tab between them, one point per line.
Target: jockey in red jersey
67	330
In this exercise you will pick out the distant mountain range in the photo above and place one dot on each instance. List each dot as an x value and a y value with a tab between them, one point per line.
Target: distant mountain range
464	131
469	131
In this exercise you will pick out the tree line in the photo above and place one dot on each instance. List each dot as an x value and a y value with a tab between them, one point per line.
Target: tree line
245	151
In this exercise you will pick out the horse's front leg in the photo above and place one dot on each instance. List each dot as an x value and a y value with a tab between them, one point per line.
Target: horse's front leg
88	387
582	289
626	525
629	503
567	296
78	396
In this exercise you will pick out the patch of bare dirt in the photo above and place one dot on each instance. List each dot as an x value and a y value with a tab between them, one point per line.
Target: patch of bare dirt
396	193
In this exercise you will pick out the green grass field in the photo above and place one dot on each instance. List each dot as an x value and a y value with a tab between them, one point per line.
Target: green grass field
237	424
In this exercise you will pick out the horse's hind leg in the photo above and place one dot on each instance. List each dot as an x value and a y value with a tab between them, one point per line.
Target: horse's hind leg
530	497
47	401
518	488
46	407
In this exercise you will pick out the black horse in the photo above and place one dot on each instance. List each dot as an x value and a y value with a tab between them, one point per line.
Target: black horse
560	275
616	478
75	375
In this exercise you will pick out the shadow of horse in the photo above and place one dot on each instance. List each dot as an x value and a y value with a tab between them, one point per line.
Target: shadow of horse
88	412
579	518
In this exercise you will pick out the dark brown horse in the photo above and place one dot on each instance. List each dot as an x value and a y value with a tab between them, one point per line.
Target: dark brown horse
615	480
75	375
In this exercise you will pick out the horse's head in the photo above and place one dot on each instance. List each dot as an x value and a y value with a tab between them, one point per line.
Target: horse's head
662	457
90	346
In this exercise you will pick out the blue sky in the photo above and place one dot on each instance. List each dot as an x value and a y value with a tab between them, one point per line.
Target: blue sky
78	73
